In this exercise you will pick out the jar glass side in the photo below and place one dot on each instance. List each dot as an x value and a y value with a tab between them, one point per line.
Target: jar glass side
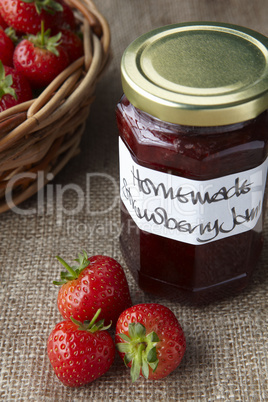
169	267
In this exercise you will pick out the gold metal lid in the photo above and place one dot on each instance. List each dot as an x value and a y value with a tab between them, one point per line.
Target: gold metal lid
198	74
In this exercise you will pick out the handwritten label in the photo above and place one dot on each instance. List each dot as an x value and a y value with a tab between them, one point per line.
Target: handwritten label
191	211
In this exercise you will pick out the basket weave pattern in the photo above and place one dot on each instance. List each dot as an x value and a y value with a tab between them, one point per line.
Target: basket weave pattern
43	134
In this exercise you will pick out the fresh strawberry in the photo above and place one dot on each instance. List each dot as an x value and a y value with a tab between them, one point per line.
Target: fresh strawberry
40	58
150	340
98	282
72	44
3	24
26	15
66	18
80	353
14	88
6	49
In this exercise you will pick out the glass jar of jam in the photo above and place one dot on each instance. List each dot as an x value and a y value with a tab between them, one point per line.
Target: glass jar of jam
193	126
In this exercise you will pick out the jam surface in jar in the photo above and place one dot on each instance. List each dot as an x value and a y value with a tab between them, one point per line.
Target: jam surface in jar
223	153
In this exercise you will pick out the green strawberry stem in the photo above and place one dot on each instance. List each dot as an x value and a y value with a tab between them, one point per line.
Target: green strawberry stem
72	272
45	41
92	326
42	33
139	349
6	82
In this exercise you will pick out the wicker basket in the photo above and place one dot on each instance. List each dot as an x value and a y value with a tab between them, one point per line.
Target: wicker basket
44	134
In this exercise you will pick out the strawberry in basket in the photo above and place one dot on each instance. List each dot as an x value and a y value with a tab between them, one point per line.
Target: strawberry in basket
66	19
50	44
40	58
6	49
72	44
14	88
26	15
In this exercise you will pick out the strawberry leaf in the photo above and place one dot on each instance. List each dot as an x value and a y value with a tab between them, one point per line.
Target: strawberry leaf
136	366
145	368
11	33
127	360
152	337
43	40
91	326
50	6
123	348
154	365
124	337
74	271
140	350
6	82
152	355
136	330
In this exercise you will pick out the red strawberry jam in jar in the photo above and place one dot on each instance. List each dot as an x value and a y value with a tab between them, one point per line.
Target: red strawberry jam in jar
193	126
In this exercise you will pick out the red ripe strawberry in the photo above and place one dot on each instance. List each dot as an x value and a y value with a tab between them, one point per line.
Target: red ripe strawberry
6	49
80	353
72	44
26	15
150	340
98	282
14	88
40	58
66	18
3	24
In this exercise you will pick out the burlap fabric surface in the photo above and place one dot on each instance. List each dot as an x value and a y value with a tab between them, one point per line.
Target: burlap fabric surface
226	357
